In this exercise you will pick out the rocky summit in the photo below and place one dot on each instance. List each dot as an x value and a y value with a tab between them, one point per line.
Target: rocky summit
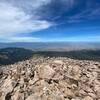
59	78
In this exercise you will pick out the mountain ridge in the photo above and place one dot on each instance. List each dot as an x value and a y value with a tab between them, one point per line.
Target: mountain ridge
53	46
13	55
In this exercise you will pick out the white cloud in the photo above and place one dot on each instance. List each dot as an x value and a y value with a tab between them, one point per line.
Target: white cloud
14	21
27	5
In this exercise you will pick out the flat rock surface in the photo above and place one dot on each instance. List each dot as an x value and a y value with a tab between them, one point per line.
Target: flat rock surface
53	78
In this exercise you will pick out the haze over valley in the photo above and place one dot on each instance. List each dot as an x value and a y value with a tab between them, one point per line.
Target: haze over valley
53	46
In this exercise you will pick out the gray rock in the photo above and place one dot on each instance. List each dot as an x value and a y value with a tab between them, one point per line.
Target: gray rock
50	79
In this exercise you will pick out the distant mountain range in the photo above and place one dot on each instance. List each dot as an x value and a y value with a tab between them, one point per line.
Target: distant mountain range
54	46
14	52
13	55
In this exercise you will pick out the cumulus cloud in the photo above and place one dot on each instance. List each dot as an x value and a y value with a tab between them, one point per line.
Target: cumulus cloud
15	21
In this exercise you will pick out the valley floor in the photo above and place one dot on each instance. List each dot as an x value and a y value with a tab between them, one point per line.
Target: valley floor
59	78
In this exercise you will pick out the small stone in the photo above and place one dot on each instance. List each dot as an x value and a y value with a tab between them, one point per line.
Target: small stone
7	86
0	94
46	72
58	62
18	96
88	98
23	72
76	69
32	97
1	72
92	95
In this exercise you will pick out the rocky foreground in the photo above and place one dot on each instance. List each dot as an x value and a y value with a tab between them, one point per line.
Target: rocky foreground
50	79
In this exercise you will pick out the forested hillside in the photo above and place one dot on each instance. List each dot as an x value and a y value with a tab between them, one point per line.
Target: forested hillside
12	55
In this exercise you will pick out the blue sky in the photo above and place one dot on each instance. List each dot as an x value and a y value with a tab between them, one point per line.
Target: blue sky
49	20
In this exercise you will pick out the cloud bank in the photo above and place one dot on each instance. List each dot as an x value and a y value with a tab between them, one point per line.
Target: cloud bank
14	21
